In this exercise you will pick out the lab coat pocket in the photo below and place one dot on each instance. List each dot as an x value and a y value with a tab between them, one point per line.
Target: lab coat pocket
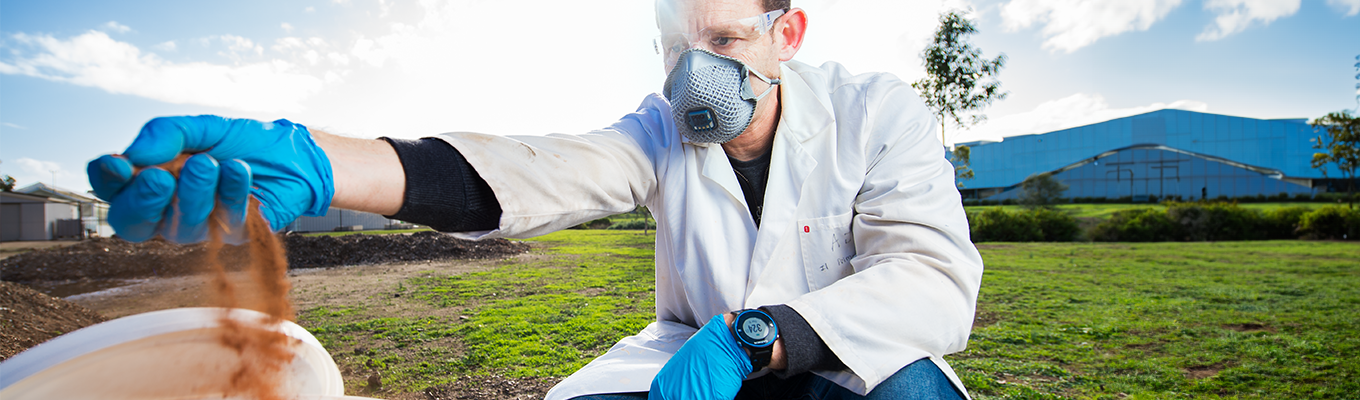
827	248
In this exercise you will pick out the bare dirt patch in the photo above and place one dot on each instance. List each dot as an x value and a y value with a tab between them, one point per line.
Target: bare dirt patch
1204	371
28	317
1249	327
492	387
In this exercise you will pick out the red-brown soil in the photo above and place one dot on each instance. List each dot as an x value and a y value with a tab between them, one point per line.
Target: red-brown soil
29	317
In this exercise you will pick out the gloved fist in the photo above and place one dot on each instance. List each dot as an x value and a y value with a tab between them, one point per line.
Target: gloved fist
709	366
277	163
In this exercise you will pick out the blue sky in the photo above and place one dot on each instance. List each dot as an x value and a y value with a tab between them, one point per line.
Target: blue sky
78	78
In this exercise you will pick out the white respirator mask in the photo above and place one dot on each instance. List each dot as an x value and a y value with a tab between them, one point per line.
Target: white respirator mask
711	96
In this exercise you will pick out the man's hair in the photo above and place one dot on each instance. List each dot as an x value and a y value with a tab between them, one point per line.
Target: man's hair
771	5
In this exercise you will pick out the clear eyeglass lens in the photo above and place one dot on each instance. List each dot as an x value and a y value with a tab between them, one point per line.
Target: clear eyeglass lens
729	38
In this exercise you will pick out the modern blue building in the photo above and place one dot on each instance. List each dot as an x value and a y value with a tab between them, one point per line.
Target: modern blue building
1158	154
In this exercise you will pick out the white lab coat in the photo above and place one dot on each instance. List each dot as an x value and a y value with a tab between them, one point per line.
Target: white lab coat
863	231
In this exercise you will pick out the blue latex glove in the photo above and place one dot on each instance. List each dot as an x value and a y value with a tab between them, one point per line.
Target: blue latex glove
709	366
234	159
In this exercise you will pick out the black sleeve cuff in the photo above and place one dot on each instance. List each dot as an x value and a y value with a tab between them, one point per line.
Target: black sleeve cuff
443	191
803	350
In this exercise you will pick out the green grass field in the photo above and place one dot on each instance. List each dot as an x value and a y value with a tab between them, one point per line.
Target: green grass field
543	318
1278	319
1263	320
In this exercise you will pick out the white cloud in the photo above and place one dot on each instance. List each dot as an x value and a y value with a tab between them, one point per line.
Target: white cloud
1068	112
46	171
1237	15
309	9
13	125
873	35
337	58
384	7
166	46
308	50
288	43
239	47
32	166
287	27
1069	25
496	67
1350	7
95	60
116	27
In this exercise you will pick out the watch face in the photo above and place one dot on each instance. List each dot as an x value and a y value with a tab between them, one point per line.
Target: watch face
755	329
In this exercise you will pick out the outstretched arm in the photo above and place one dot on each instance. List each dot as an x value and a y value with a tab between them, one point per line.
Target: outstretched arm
368	174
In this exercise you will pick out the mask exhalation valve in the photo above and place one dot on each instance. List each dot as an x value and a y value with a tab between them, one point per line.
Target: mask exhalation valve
701	119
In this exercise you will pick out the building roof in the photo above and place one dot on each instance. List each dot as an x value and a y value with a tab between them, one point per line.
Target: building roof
1281	145
49	191
15	197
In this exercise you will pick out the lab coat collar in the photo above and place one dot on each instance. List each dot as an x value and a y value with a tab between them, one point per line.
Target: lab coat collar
805	112
804	116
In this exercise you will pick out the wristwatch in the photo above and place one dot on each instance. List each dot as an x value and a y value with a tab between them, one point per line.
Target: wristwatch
755	332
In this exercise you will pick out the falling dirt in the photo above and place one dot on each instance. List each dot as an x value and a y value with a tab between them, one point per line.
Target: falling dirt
263	352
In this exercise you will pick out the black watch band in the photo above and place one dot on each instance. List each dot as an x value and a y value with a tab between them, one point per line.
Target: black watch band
755	332
760	357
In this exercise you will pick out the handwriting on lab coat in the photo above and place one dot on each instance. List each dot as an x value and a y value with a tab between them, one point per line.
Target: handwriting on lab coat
828	249
840	240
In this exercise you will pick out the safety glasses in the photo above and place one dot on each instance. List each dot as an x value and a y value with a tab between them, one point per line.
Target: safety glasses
727	38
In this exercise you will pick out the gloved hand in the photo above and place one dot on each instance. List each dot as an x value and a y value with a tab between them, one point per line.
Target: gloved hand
277	163
709	366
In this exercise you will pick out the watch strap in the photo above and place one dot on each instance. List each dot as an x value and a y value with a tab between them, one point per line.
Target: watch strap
759	356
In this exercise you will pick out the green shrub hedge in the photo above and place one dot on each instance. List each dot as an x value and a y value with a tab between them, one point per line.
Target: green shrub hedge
1217	221
1331	222
1036	225
634	224
1137	225
1283	223
1197	221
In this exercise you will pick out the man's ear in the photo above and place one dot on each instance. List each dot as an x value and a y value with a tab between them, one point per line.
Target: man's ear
788	34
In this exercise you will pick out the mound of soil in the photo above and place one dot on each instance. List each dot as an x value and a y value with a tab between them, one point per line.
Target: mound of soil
327	251
28	317
112	258
107	258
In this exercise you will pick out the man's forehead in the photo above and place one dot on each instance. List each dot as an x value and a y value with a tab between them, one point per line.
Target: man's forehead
675	15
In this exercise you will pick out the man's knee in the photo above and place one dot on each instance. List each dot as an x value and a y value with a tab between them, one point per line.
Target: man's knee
919	380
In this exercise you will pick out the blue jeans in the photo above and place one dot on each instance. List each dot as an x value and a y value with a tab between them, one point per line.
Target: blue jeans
920	380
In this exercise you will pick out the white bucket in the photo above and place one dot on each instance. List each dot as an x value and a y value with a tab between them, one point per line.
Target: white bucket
170	354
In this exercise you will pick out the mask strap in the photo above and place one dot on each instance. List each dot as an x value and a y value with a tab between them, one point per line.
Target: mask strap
771	82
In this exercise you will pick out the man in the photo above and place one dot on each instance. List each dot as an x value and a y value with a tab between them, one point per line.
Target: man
810	239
